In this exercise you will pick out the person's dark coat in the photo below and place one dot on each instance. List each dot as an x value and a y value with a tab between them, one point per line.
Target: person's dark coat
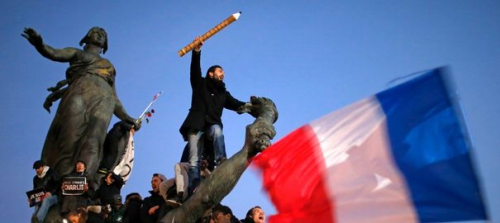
207	101
72	202
132	209
106	193
50	182
115	144
149	202
116	215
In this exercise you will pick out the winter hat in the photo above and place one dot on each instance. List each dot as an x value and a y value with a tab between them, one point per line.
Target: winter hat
38	164
161	176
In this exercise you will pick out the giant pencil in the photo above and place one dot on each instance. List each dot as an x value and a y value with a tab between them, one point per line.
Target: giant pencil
210	33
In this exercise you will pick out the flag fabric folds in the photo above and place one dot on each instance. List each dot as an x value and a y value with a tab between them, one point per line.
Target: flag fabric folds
126	160
402	155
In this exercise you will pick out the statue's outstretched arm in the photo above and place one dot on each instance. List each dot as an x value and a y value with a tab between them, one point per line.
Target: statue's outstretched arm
223	179
59	55
122	114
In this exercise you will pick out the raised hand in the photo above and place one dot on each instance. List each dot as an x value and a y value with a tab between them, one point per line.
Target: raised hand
200	44
32	36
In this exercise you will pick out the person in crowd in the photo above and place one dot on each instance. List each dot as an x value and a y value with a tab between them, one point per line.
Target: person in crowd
177	197
115	145
255	215
133	203
117	211
169	190
71	201
207	217
47	179
152	204
223	214
78	215
110	187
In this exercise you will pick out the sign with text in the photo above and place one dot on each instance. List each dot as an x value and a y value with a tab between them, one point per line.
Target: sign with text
36	196
73	185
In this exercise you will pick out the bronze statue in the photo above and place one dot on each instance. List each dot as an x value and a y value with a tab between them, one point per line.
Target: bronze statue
88	101
214	188
87	104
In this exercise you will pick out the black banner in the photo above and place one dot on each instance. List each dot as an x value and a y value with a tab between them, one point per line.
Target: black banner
73	185
36	196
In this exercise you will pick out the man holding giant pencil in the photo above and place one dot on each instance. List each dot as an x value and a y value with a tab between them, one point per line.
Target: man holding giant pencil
208	100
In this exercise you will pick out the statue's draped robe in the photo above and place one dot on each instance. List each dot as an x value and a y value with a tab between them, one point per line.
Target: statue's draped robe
82	118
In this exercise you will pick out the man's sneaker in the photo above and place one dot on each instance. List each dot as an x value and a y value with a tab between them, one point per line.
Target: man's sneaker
177	201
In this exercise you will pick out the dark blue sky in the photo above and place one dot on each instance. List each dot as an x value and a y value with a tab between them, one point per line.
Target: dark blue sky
310	57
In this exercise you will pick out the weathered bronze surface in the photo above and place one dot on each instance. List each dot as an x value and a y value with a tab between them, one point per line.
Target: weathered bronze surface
88	101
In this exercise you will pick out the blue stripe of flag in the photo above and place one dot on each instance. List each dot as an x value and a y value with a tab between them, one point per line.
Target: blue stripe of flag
431	147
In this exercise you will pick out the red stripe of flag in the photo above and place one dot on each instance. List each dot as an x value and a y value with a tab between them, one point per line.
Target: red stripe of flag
292	171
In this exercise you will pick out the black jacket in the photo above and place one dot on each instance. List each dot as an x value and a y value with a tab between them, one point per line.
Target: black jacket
106	193
115	144
50	181
207	101
149	202
133	209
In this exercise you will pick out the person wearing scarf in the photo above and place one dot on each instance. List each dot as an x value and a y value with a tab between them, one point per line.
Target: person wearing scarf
48	179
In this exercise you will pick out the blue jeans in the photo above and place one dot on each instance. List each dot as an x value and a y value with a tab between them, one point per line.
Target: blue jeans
42	209
195	150
214	133
217	138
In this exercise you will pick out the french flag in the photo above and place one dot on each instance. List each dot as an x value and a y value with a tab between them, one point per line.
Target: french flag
402	155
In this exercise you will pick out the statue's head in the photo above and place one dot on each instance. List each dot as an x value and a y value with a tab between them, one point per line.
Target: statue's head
101	32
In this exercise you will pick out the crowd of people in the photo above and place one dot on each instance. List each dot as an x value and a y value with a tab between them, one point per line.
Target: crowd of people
80	197
105	204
